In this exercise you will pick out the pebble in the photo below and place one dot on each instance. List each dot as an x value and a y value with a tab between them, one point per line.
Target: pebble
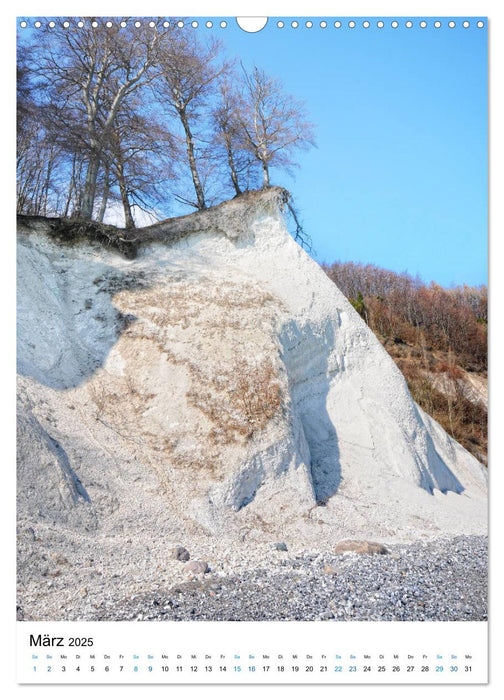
439	580
280	546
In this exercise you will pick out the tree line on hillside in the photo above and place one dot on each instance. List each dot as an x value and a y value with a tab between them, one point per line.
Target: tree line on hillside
433	334
145	114
403	307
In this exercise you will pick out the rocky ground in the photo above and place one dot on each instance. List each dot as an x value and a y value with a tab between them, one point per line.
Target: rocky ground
444	579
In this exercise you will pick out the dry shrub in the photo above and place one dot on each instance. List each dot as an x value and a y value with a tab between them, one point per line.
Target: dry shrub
381	317
239	400
399	305
453	371
257	392
463	419
118	404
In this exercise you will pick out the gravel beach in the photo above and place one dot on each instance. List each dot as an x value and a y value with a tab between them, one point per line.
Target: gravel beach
438	580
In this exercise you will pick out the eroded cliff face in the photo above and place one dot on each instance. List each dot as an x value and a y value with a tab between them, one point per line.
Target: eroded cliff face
218	385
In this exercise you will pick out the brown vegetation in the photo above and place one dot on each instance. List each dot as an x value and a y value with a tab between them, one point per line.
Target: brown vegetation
235	386
436	336
239	401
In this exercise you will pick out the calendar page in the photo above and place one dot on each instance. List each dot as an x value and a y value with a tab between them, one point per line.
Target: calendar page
252	348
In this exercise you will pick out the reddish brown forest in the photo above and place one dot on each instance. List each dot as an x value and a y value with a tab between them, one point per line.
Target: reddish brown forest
437	337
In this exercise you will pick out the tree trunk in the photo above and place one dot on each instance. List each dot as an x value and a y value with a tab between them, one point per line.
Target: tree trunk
266	180
128	217
36	195
200	197
48	179
88	196
78	190
105	194
72	188
23	192
234	175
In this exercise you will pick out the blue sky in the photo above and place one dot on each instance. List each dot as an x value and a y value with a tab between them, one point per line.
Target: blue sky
399	178
399	175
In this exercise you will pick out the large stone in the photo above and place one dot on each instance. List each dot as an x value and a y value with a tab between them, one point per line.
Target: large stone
180	553
197	567
360	547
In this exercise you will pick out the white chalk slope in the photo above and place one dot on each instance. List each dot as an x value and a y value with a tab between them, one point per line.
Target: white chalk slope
146	395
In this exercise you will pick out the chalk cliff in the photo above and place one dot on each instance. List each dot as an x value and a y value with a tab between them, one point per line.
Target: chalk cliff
215	384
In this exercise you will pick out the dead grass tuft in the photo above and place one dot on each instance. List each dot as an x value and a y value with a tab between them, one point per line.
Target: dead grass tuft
239	401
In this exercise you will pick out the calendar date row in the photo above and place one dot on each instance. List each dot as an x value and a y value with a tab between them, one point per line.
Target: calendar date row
197	669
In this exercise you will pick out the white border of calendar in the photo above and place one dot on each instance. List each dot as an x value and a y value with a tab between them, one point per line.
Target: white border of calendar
494	10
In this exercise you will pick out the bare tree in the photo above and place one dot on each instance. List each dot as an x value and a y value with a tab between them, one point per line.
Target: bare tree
39	157
189	72
138	159
87	135
92	71
228	134
29	161
274	124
